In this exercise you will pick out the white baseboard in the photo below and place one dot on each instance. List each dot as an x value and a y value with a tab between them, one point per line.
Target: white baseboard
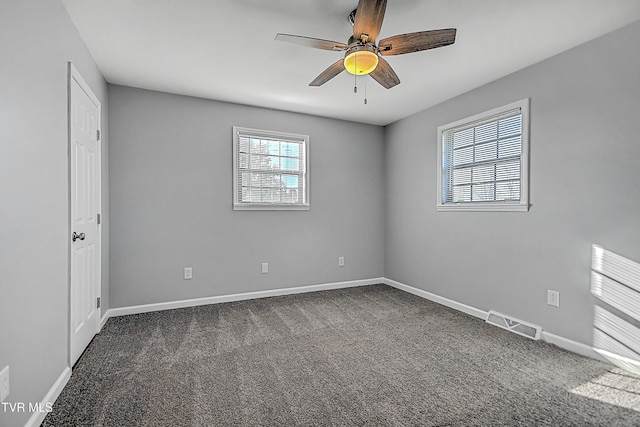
564	343
37	417
623	362
561	342
573	346
104	319
136	309
437	298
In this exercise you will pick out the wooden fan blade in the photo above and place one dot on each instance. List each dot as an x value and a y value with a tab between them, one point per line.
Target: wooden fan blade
415	42
368	20
384	74
333	70
311	42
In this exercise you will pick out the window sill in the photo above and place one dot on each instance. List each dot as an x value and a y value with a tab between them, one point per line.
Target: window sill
482	207
259	207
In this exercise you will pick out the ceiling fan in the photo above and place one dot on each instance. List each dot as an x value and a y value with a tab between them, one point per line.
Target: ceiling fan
362	55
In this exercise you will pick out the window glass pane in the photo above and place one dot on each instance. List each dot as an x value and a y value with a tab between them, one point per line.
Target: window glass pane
463	156
256	179
508	170
483	192
260	162
290	149
246	194
462	194
290	195
486	132
267	195
243	160
462	176
257	161
273	147
290	181
273	162
266	180
258	146
484	173
511	126
243	144
245	179
486	151
289	163
509	190
462	138
277	195
510	147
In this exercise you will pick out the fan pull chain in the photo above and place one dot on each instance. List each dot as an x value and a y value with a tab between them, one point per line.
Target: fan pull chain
365	91
355	74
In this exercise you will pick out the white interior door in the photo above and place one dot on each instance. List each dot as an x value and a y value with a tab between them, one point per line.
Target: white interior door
85	171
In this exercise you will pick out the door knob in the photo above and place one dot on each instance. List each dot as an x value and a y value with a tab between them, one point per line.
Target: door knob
76	236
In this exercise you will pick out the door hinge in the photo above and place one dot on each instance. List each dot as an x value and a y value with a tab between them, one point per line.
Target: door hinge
98	134
98	303
98	219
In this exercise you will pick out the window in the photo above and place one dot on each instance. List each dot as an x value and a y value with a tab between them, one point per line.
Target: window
270	170
483	161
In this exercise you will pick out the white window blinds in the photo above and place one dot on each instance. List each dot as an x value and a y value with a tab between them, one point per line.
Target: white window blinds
483	162
270	170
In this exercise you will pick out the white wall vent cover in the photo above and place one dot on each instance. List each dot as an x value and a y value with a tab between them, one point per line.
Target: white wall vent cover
514	325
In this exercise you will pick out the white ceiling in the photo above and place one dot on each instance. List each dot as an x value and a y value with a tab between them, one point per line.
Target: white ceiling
225	49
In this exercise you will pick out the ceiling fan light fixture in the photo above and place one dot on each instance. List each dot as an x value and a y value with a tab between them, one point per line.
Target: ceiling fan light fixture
361	60
362	55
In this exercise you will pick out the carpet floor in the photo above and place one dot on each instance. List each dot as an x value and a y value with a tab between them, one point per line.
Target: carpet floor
370	355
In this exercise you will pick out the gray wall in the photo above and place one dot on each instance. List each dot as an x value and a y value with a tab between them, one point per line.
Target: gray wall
37	39
585	170
171	202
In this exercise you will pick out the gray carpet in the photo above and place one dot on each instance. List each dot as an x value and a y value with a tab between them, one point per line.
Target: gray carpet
362	356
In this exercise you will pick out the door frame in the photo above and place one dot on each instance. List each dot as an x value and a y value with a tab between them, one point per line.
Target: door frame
72	75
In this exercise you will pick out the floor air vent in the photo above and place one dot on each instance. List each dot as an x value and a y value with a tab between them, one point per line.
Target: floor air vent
514	325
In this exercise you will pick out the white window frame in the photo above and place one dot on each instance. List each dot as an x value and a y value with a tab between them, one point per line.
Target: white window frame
279	136
505	206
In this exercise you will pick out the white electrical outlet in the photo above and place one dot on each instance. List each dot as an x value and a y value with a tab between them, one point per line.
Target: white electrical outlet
553	298
4	384
188	273
340	261
265	267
